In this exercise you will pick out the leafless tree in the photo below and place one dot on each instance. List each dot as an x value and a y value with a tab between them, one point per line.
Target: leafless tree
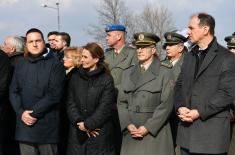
151	19
157	20
109	12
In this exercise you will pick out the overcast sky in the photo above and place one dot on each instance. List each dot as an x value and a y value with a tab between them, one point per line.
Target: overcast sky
17	16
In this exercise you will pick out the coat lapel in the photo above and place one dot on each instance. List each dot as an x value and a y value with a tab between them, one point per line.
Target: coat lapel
149	75
207	60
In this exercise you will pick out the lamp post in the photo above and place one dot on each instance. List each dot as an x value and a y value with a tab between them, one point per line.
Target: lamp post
58	11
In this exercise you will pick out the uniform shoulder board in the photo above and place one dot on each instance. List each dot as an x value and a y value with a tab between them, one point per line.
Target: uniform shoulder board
166	64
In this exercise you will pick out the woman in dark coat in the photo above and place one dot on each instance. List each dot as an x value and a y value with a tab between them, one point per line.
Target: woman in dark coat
89	105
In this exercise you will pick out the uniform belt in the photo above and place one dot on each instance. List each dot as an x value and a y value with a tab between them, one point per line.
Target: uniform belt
140	109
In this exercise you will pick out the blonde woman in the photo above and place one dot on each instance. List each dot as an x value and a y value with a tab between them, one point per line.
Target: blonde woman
72	57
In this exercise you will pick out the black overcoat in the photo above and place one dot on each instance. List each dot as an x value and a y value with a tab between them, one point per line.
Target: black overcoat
38	85
210	91
90	99
5	77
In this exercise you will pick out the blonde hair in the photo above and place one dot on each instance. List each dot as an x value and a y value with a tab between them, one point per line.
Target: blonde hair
76	53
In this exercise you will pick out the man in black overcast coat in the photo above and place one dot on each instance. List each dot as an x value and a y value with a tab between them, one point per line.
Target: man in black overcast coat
5	76
35	94
204	91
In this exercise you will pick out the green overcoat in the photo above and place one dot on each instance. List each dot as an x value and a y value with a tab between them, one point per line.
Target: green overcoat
146	100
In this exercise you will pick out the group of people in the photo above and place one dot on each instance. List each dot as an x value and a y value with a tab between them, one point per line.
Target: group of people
123	100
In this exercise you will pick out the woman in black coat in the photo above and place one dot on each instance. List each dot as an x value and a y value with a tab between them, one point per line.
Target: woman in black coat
89	105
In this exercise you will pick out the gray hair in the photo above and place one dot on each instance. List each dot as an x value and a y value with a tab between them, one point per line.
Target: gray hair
18	43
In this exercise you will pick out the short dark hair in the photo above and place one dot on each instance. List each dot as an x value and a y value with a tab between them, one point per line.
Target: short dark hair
66	37
32	30
52	33
207	20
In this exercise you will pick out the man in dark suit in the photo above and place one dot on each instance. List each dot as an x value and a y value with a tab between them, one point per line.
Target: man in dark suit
5	72
204	91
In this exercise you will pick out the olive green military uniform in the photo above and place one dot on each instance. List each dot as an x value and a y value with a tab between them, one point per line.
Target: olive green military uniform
145	100
119	63
174	38
231	44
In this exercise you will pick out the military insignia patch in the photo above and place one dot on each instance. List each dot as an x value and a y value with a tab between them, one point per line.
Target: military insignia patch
141	37
233	40
169	37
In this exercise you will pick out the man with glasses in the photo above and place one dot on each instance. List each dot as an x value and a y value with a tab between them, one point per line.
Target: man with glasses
144	102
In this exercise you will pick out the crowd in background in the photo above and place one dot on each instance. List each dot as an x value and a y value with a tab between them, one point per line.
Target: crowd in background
87	100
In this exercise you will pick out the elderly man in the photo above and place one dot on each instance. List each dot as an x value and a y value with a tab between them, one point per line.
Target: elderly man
204	92
144	102
14	47
5	72
35	94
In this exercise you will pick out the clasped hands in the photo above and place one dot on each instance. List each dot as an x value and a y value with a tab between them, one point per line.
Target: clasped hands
187	115
137	132
27	118
93	133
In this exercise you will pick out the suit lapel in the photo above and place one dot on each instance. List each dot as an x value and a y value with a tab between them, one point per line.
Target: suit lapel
207	60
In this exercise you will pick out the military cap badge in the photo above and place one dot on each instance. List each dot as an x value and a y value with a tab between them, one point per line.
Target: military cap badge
233	40
141	37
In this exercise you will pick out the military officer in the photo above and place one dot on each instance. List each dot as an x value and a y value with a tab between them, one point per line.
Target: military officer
144	102
231	46
119	58
231	42
175	49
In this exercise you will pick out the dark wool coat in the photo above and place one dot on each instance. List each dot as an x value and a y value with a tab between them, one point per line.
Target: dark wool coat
210	91
90	99
37	85
5	77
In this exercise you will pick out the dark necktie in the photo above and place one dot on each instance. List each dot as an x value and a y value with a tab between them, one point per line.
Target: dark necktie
142	69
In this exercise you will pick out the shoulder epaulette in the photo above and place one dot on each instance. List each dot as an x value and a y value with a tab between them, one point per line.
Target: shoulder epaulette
165	64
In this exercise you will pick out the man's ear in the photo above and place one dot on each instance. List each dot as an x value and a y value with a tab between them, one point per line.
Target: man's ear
13	49
118	36
64	43
206	29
